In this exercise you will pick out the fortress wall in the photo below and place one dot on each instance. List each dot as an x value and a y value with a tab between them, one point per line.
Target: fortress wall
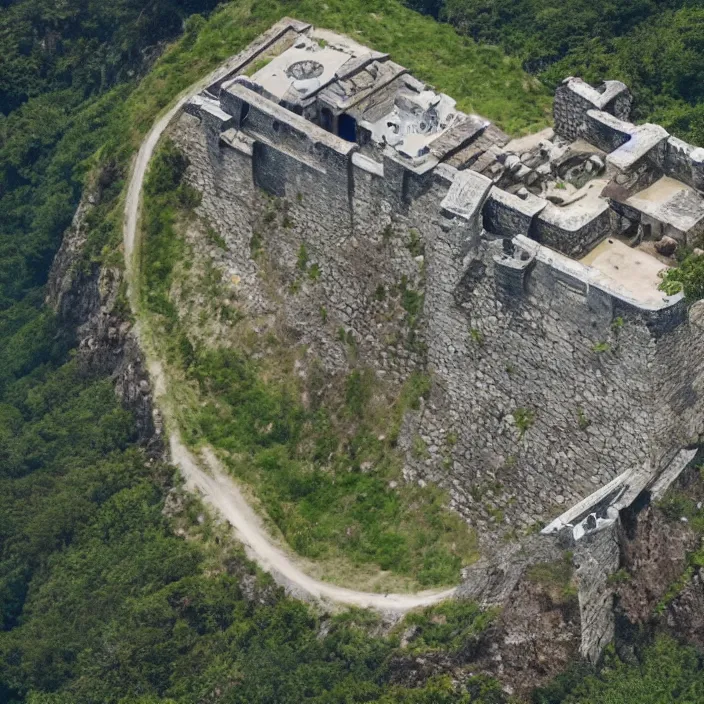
589	408
605	131
569	111
678	160
274	40
539	345
349	230
507	215
678	387
685	162
574	98
570	234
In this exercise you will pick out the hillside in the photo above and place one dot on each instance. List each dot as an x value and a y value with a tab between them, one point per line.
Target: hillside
655	47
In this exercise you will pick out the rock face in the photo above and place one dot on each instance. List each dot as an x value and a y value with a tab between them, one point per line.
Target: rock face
659	590
654	551
666	246
90	304
685	615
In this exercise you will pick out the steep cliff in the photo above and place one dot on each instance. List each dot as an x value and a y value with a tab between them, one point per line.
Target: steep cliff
90	302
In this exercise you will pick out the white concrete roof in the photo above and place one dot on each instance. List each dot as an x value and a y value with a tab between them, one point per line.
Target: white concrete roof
631	271
671	202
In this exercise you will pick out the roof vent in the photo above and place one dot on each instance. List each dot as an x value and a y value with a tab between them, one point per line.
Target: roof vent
305	70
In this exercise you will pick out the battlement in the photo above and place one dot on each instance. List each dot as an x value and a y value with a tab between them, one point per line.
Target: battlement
305	99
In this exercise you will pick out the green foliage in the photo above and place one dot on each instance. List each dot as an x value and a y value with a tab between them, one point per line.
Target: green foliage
654	47
257	65
666	673
99	600
163	248
314	272
556	574
411	301
453	626
359	391
621	576
687	276
302	257
256	244
217	239
323	474
524	419
419	449
477	336
415	244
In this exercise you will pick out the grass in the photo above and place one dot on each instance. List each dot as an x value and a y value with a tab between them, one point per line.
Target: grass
327	474
524	419
481	78
452	626
323	475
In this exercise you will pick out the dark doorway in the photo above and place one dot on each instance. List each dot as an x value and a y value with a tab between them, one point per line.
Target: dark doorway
347	128
326	119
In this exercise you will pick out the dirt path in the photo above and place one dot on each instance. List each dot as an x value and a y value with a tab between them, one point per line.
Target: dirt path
215	485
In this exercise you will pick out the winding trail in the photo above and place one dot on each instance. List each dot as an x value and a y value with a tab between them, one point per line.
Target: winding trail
215	485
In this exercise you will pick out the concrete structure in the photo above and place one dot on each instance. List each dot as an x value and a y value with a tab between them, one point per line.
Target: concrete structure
559	367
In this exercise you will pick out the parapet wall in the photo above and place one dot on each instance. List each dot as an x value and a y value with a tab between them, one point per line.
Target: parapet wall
601	118
574	98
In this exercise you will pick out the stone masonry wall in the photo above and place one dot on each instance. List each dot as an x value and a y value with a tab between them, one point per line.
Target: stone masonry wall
538	399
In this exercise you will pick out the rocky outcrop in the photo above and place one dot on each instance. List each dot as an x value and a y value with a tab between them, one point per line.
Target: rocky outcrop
90	302
535	635
685	615
658	588
654	553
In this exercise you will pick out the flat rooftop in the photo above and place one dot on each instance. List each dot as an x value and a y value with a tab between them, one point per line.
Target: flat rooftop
670	202
630	271
302	70
342	86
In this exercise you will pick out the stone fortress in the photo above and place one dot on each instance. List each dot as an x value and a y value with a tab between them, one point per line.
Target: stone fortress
565	382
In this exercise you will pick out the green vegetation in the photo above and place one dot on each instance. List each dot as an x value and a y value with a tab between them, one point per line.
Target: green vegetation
664	673
524	419
687	276
477	336
321	471
101	602
654	46
557	575
99	599
453	626
415	244
679	506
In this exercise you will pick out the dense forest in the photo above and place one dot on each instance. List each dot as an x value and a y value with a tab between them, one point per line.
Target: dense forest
105	598
655	46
